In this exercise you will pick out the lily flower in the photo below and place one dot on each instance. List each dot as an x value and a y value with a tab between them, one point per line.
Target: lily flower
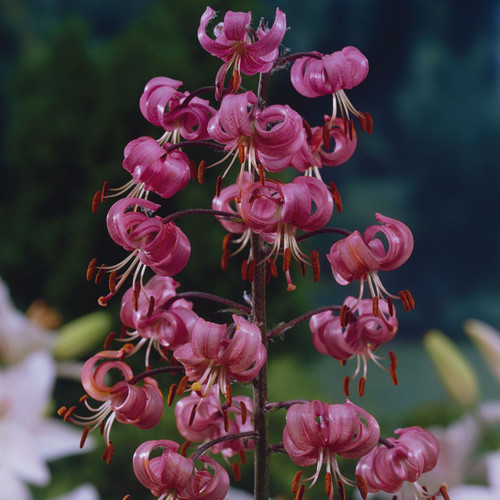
236	43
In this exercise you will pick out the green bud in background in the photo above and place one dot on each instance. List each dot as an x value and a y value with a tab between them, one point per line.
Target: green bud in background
79	336
456	372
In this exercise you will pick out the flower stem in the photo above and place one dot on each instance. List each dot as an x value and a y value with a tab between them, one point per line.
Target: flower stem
208	296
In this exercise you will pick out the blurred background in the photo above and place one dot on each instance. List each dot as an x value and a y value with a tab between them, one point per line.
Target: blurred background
71	74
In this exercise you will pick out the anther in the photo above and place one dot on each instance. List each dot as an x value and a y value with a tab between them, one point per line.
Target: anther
135	295
361	386
108	453
107	341
302	268
236	471
201	171
218	186
296	481
362	486
362	121
83	398
345	385
337	200
326	136
68	413
85	433
444	492
224	260
151	306
226	241
251	270
375	309
369	123
184	447
315	265
394	360
127	497
91	269
262	176
229	396
390	306
328	484
345	313
104	190
300	492
62	410
394	375
243	458
287	257
407	300
244	270
182	385
341	488
243	412
241	153
351	129
307	128
171	394
95	201
112	282
274	270
227	422
193	414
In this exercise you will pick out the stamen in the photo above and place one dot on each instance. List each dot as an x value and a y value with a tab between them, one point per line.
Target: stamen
229	396
337	200
68	413
226	241
184	447
351	128
243	412
91	269
362	121
262	176
171	394
241	153
151	306
108	340
224	260
127	497
375	309
218	186
394	360
108	453
201	171
274	269
303	268
390	306
62	410
345	385
407	300
100	274
182	385
287	257
236	471
244	270
112	282
300	492
251	270
193	414
85	433
328	484
308	130
341	488
104	190
315	265
394	375
444	492
95	201
362	487
227	422
344	316
369	123
361	386
296	481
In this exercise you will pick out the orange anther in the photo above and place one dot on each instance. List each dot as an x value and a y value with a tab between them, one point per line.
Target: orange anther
62	411
104	190
100	274
226	241
302	268
83	398
224	260
350	125
218	186
201	171
345	313
227	422
296	481
262	176
369	123
68	413
236	471
362	121
171	394
394	375
407	300
328	484
362	487
287	257
229	396
91	269
274	269
345	385
108	453
112	281
241	153
361	386
244	270
182	385
315	265
151	306
184	447
85	433
375	309
107	341
127	497
300	492
243	412
394	360
193	414
390	306
95	201
341	487
444	492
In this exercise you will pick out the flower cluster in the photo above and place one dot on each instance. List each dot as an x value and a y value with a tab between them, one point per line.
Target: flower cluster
274	217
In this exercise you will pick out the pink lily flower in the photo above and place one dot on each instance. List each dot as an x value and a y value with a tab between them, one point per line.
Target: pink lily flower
164	106
174	476
237	44
153	169
386	468
149	320
209	422
361	256
162	247
316	432
141	406
217	354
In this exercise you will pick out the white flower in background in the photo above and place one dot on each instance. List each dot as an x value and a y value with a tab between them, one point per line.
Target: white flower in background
27	438
83	492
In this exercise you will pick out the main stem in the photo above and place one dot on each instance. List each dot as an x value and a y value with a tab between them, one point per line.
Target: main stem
261	451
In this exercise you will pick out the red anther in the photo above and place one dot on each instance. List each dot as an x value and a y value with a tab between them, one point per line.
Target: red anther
104	190
184	447
336	197
268	274
182	385
227	422
369	123
296	481
362	121
251	270
151	306
394	375
137	291
394	360
108	340
112	281
201	171
95	201
224	260
344	119
123	332
302	268
171	394
243	412
236	471
99	275
328	484
226	241
326	136
274	270
85	433
83	398
343	362
375	309
218	186
444	492
345	385
241	153
350	125
192	168
362	487
193	414
127	497
287	257
315	265
341	487
345	313
229	395
108	453
307	128
244	270
243	458
126	350
407	300
361	386
300	492
91	269
390	306
62	411
262	176
68	413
